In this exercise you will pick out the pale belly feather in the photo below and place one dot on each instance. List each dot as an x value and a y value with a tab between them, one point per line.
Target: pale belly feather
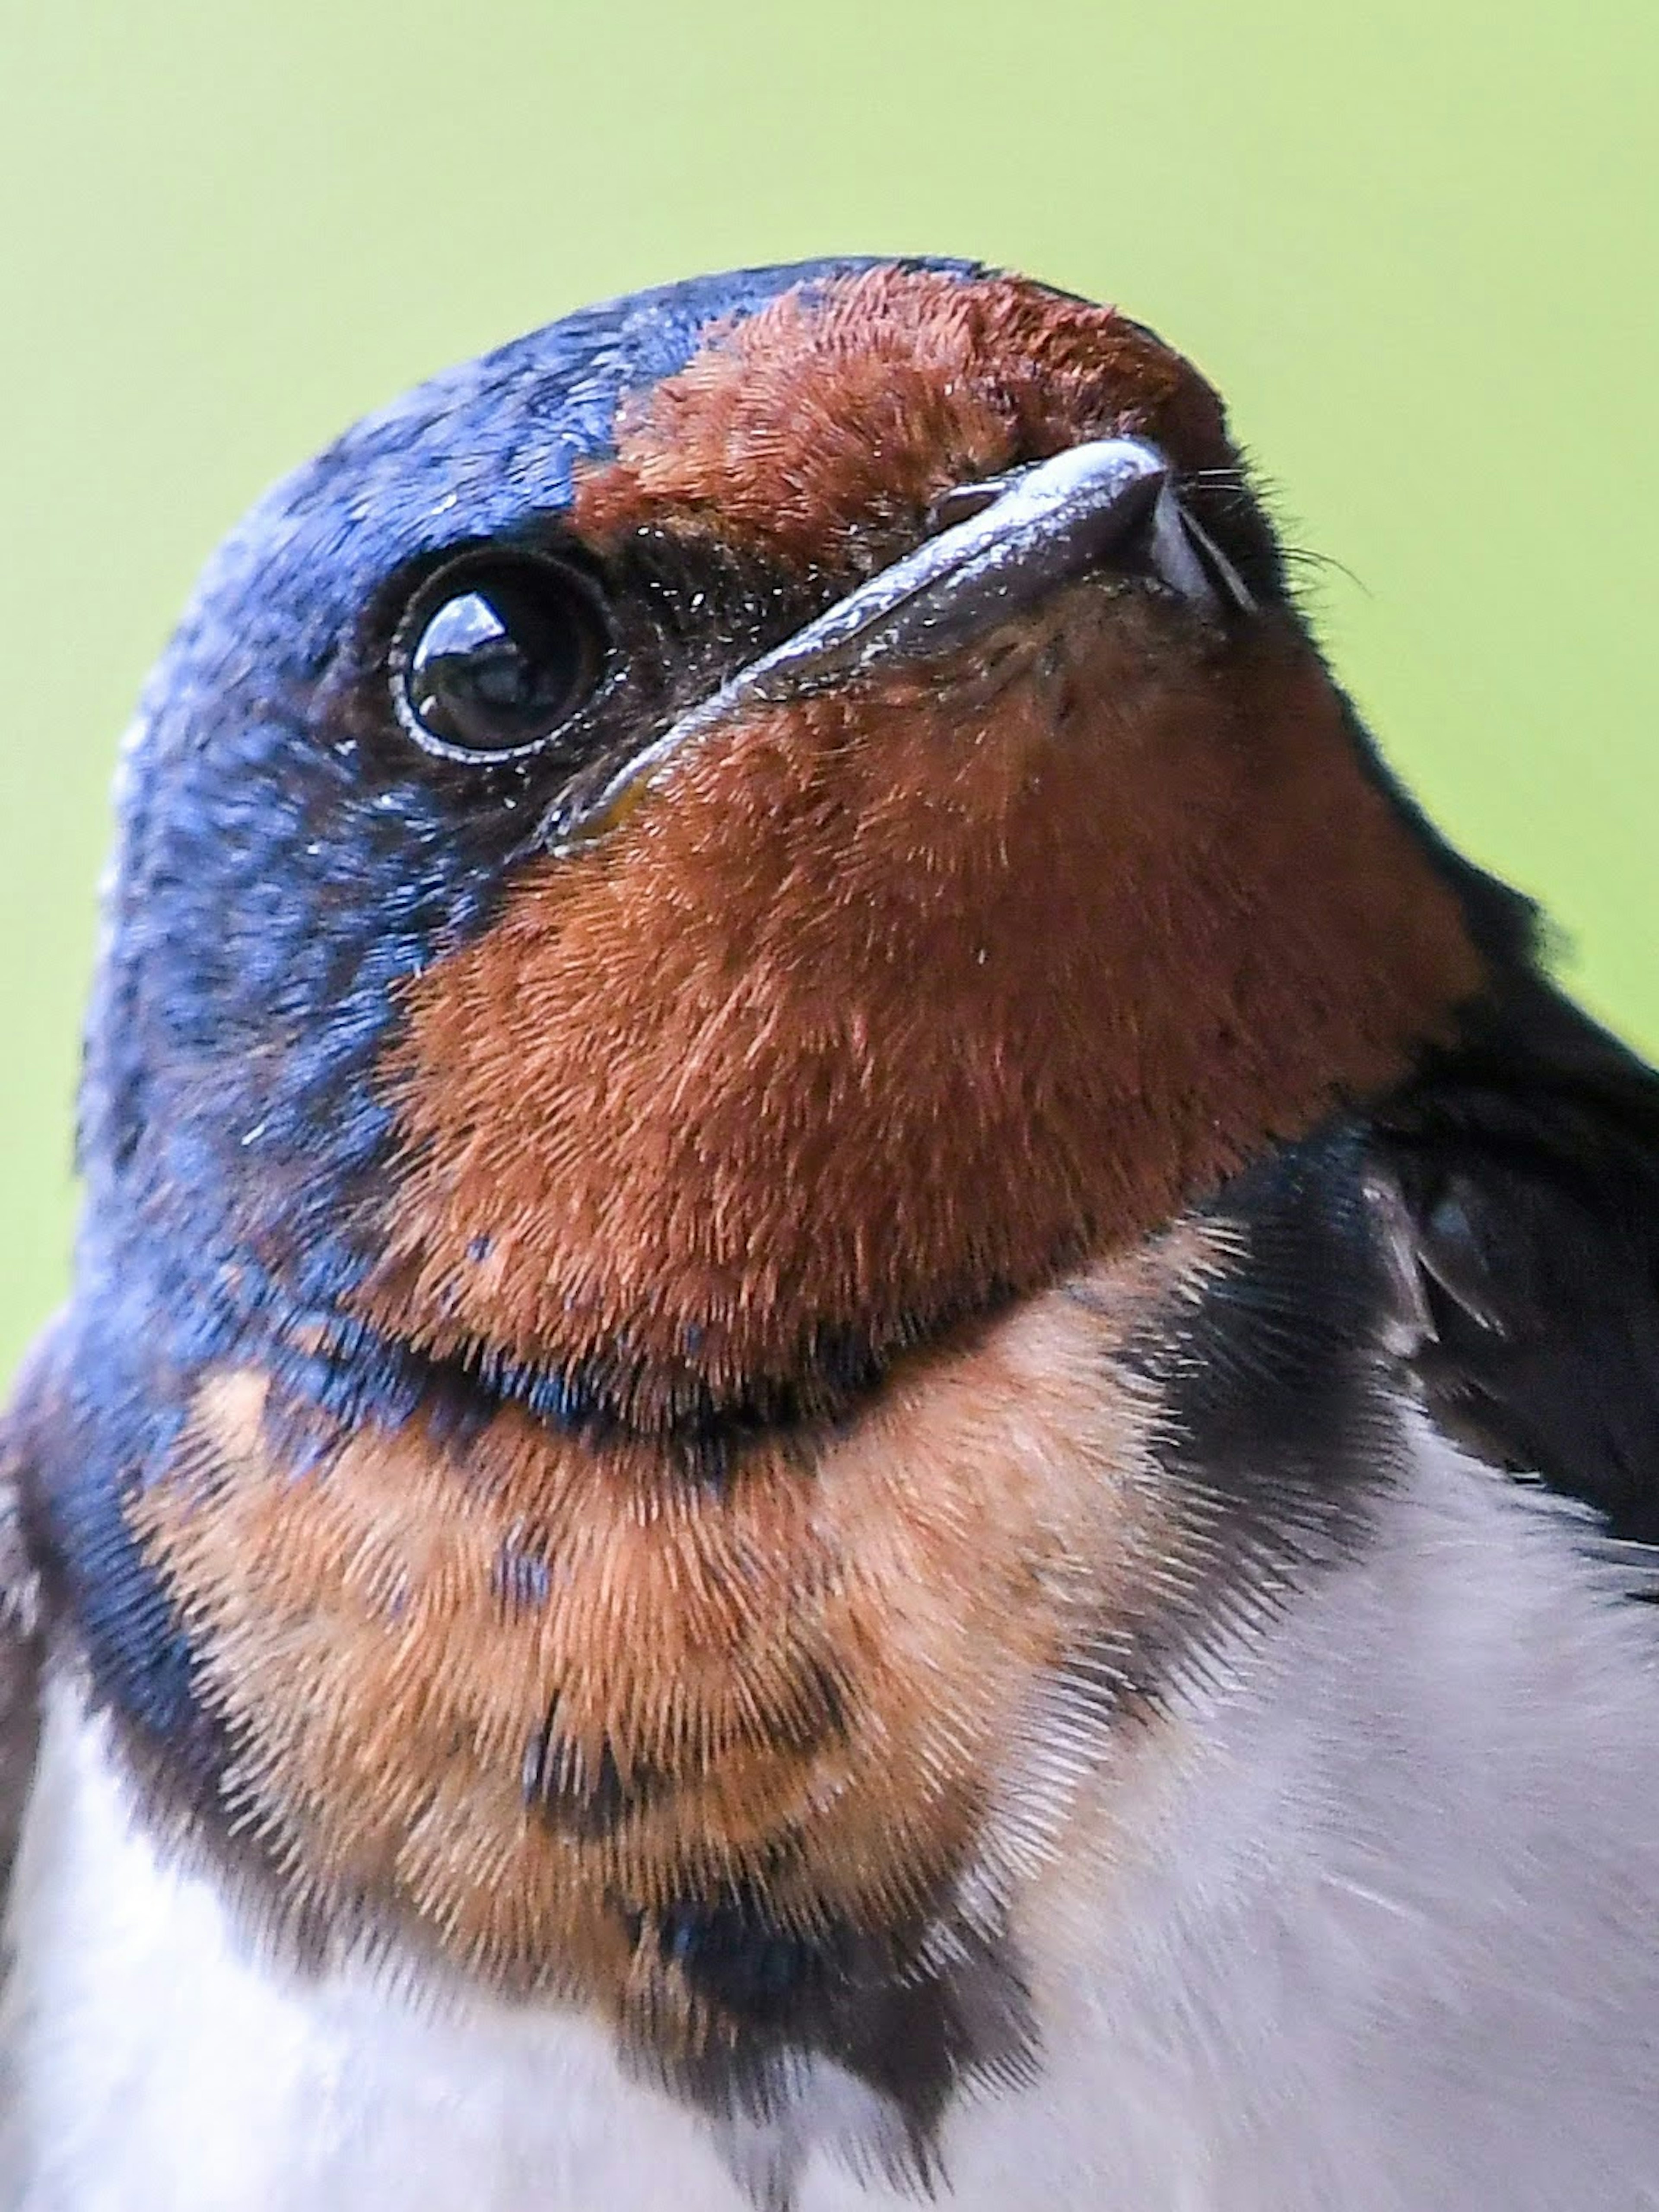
1381	1934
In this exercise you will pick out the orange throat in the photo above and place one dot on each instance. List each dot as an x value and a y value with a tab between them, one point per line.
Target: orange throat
884	1006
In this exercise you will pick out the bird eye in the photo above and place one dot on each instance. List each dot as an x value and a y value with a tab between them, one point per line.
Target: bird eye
494	653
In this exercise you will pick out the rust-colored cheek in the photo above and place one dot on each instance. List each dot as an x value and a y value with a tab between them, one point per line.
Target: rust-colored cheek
885	1004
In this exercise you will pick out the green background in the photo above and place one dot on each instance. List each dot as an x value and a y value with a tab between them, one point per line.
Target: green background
1412	244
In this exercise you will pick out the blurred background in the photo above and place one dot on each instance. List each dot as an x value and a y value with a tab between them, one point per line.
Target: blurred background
1412	244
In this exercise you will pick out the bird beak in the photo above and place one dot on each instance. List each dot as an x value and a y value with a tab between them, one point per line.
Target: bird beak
1107	506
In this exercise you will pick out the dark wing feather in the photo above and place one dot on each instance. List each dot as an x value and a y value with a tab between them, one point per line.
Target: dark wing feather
1527	1169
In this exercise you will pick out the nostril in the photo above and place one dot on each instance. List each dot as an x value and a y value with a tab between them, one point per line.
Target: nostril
1118	526
962	503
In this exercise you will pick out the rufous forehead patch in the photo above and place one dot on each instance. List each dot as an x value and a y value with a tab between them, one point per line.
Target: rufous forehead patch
839	412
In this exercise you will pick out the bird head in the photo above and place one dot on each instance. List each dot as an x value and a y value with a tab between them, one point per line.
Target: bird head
728	838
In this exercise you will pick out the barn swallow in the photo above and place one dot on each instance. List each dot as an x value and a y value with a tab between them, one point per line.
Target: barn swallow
862	1400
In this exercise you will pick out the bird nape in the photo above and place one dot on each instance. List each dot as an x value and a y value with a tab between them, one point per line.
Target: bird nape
861	1395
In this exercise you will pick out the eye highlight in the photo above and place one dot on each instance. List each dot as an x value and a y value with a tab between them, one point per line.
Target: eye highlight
495	653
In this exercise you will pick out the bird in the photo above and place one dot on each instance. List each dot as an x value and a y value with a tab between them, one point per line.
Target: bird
861	1400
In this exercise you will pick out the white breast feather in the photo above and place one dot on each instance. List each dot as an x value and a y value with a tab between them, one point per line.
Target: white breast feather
1373	1927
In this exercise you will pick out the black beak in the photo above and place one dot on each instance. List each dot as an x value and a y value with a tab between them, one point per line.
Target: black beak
1107	507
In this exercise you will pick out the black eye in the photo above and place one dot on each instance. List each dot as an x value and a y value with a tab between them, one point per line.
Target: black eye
494	653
